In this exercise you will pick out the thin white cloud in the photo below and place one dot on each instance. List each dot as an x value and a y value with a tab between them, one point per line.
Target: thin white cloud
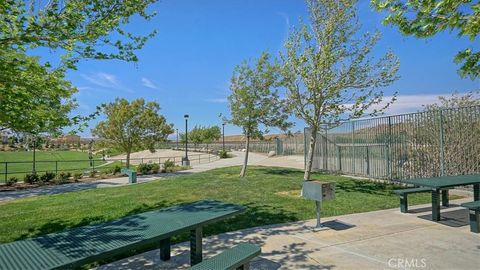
286	19
217	100
105	80
147	83
407	103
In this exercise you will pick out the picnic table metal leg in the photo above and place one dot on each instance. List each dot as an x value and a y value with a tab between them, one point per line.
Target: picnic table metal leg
435	205
404	203
165	249
476	192
196	246
474	216
445	201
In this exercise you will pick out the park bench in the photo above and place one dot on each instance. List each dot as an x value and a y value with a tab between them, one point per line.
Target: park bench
132	175
474	215
78	246
403	193
238	257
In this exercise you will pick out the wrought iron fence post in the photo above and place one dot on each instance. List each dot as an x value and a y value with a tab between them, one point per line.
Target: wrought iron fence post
367	159
353	148
6	171
93	164
442	142
56	167
339	159
389	146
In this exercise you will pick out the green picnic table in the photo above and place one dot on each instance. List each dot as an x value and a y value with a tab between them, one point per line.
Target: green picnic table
82	245
443	182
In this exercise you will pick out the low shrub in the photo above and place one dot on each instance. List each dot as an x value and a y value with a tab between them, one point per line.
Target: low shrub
104	175
47	177
116	170
168	166
223	154
11	181
93	174
144	168
155	168
77	176
31	178
63	176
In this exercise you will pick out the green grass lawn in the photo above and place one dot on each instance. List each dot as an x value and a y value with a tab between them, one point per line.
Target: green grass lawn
67	161
269	193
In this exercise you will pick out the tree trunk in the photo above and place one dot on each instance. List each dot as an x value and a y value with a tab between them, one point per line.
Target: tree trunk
245	162
128	160
311	150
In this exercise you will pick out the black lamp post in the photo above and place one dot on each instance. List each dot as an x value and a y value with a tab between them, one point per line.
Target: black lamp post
185	161
223	137
177	138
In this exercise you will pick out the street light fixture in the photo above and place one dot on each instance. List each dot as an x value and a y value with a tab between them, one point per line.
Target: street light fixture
185	161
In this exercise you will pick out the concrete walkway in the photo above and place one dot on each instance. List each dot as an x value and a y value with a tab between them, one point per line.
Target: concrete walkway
254	159
384	239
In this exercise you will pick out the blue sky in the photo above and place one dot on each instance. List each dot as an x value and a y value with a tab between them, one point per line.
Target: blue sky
187	66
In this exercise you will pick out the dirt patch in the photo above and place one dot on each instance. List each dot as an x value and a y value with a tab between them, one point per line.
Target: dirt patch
289	193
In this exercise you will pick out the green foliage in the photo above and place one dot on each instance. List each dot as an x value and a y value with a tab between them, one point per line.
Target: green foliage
144	168
168	166
11	181
35	96
131	125
31	178
34	99
254	102
223	154
116	169
327	71
200	134
93	174
63	177
47	176
155	168
424	19
77	176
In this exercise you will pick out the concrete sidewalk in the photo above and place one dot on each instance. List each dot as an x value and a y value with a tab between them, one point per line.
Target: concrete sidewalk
254	159
384	239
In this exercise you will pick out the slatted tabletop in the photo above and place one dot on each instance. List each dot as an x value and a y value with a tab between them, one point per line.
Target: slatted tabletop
445	181
86	244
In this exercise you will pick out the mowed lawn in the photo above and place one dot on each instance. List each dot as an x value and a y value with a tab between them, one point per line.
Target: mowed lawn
271	195
67	160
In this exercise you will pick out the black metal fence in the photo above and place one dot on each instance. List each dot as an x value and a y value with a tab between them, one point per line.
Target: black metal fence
423	144
20	168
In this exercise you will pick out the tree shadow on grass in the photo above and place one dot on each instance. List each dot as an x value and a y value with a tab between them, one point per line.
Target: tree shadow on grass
365	187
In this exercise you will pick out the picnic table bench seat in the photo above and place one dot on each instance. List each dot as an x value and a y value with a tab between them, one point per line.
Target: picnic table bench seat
403	193
238	257
78	246
474	215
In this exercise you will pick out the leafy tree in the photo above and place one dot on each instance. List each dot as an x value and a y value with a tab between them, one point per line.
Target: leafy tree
34	97
254	101
195	135
424	19
201	134
328	73
131	125
211	134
